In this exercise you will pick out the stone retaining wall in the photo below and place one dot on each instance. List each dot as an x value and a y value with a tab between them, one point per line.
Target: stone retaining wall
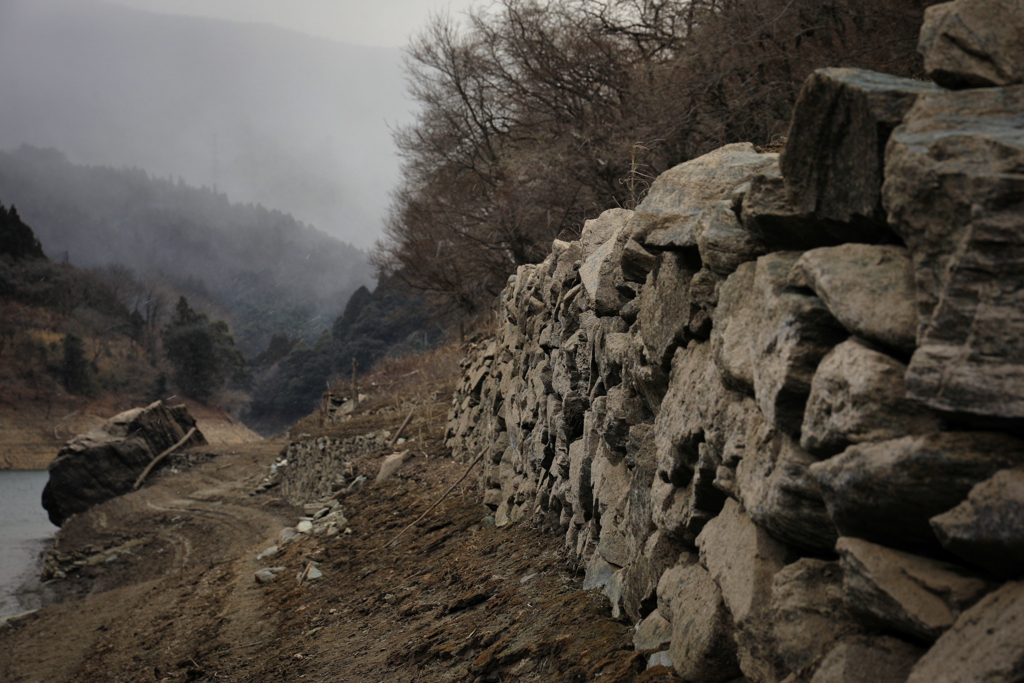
777	410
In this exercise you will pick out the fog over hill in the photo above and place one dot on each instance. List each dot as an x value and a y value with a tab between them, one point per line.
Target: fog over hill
266	115
268	272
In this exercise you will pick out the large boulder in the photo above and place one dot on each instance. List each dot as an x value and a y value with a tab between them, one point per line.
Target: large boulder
858	395
600	270
987	529
886	492
868	659
743	559
790	332
833	157
985	644
898	591
808	611
702	646
667	218
868	288
974	43
778	492
954	181
104	463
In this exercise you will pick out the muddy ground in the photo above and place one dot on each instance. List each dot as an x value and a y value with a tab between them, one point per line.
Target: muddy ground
169	593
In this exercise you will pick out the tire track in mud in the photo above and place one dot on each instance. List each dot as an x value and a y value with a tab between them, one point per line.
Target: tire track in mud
165	596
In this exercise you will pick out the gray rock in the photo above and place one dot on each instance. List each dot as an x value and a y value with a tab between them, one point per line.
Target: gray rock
732	334
973	43
636	261
987	529
858	395
986	644
640	580
914	595
868	659
702	646
886	492
268	574
952	189
653	632
743	559
391	464
666	308
779	493
679	428
659	659
790	331
667	217
600	270
868	288
832	163
723	241
104	463
808	612
598	573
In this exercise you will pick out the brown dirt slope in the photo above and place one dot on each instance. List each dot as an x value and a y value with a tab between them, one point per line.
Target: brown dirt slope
169	592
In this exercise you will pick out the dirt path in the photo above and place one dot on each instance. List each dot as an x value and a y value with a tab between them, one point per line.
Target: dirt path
170	594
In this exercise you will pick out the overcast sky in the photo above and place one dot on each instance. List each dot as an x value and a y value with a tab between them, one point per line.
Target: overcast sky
266	115
384	23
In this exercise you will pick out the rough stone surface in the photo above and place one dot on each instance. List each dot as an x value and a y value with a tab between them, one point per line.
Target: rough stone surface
778	492
868	288
954	182
973	43
652	633
600	271
808	612
666	308
723	241
858	395
868	659
702	641
731	336
833	157
886	492
743	559
914	595
987	529
667	217
792	331
104	463
986	644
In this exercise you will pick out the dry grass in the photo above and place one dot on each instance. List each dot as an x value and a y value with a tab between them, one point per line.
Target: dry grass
419	383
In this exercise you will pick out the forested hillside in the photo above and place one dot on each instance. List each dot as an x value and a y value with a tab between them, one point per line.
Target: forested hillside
538	115
264	271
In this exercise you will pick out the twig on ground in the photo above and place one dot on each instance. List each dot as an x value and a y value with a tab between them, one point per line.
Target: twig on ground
402	428
436	503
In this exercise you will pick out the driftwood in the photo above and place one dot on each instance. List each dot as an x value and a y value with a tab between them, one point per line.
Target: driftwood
155	461
402	428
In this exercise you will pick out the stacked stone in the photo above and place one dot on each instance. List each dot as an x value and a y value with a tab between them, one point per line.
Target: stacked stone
777	409
315	468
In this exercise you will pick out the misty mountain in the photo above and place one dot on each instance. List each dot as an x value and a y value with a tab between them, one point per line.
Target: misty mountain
271	273
264	114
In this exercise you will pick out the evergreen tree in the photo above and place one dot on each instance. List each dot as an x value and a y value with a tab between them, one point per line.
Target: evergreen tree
202	354
76	373
17	239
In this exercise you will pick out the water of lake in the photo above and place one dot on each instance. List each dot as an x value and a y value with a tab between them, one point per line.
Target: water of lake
25	531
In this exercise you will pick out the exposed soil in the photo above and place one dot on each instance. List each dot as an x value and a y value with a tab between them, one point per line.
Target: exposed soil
35	425
173	597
